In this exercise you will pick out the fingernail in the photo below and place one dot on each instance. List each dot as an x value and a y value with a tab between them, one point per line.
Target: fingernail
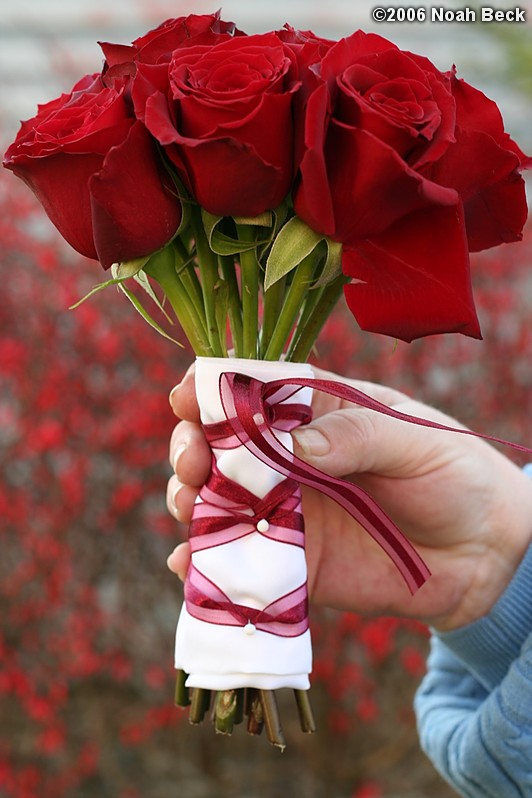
172	394
174	503
312	442
177	454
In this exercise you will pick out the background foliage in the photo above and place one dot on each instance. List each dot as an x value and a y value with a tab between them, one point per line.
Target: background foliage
88	608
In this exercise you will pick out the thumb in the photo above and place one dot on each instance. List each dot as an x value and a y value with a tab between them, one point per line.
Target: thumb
357	440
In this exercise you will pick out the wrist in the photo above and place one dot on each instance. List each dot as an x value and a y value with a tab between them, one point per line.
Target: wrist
496	554
489	645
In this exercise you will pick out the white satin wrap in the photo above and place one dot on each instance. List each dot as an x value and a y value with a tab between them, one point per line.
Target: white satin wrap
252	571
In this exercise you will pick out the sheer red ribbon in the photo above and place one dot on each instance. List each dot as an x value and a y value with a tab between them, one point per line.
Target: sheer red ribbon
285	617
229	511
253	407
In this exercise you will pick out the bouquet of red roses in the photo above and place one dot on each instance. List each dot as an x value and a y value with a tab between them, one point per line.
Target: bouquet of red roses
244	182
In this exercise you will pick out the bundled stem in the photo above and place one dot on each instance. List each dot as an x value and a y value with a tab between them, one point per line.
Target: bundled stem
162	267
307	332
301	281
227	265
208	267
293	311
203	288
249	269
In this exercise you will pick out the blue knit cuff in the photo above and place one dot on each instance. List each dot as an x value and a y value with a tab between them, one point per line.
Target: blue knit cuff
488	646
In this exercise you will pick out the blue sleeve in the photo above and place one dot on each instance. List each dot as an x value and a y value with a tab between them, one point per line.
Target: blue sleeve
474	707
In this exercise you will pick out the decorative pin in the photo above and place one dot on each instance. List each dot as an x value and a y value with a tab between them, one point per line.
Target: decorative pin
262	525
258	418
249	628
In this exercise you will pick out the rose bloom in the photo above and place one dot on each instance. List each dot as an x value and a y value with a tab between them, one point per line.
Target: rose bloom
157	45
96	171
223	113
411	170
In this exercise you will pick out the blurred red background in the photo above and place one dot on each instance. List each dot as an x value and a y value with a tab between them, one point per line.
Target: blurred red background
88	607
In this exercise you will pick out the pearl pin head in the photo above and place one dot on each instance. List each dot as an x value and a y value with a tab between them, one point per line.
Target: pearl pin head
262	525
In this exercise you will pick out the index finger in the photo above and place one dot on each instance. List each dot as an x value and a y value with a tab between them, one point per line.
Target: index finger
183	399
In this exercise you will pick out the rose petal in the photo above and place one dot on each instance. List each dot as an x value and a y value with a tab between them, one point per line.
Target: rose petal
312	194
475	111
497	214
158	44
414	279
370	185
60	183
134	206
493	193
208	169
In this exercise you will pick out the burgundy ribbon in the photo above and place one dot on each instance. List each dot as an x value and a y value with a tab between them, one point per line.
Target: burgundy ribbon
228	511
285	617
252	409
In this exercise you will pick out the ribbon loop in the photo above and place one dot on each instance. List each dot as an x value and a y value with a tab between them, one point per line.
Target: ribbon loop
244	400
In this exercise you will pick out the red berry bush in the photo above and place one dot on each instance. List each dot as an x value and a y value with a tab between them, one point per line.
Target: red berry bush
88	608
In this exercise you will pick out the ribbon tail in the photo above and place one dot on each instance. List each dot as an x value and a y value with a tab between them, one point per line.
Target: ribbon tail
243	402
357	397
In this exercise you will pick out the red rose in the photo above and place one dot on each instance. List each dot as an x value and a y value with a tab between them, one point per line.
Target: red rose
224	116
97	173
393	145
158	44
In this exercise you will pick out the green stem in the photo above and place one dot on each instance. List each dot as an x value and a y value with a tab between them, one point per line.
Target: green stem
305	341
225	710
182	697
255	712
249	268
162	268
272	720
299	286
187	274
306	717
227	265
273	298
208	267
200	700
312	300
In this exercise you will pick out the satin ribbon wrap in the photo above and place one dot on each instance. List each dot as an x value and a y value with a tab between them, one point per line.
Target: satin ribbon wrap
244	621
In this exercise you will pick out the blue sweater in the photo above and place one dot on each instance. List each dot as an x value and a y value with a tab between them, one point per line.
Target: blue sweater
474	706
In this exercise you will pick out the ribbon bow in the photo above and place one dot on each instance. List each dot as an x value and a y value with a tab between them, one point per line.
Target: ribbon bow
285	617
228	511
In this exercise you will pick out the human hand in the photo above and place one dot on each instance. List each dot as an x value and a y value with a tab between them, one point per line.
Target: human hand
466	508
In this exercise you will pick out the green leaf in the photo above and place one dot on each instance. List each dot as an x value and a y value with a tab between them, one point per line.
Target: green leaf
142	279
129	268
263	220
220	242
294	242
280	215
96	289
137	304
333	264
